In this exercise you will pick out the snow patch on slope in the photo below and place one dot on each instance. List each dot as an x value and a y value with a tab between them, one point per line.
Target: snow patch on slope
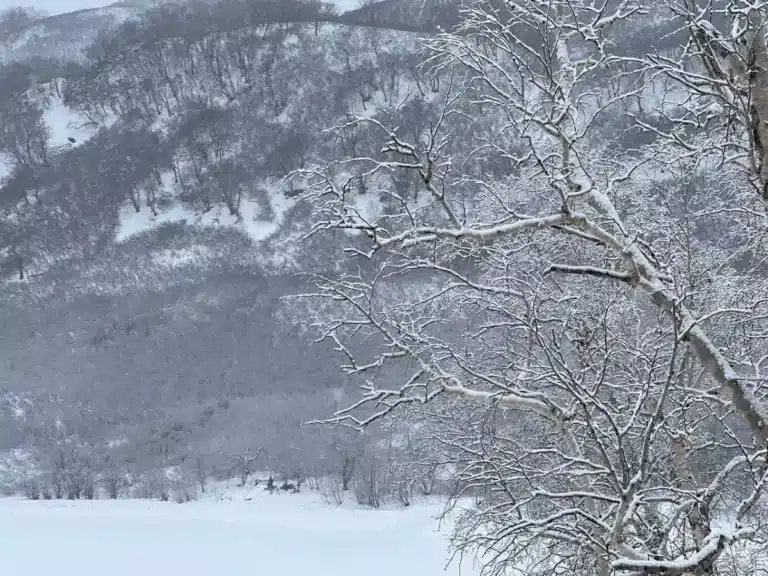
255	225
346	5
64	123
5	169
251	220
132	223
369	206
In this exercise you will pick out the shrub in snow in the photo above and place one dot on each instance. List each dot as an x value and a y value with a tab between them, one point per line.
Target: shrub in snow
114	483
152	485
371	482
31	489
333	491
184	495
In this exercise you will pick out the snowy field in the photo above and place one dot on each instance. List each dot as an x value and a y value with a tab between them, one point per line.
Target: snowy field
286	535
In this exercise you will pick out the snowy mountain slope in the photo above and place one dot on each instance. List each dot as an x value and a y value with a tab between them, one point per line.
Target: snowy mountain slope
65	36
260	144
147	294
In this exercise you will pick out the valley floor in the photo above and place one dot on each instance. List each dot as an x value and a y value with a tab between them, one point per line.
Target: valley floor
230	535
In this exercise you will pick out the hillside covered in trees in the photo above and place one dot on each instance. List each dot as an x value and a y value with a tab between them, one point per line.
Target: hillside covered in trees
150	232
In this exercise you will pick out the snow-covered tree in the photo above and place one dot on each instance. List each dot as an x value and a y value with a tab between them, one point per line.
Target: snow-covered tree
575	295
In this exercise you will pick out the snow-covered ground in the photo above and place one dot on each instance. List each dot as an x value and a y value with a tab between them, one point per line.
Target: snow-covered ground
251	221
289	535
64	123
5	168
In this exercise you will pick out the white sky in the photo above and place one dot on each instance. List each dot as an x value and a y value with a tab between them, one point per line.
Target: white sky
55	6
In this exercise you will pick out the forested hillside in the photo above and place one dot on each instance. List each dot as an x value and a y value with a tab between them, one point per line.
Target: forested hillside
150	231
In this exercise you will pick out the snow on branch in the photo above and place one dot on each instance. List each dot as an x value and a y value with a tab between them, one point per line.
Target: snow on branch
556	154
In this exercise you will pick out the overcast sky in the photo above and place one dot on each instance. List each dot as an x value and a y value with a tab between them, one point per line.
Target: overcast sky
55	6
